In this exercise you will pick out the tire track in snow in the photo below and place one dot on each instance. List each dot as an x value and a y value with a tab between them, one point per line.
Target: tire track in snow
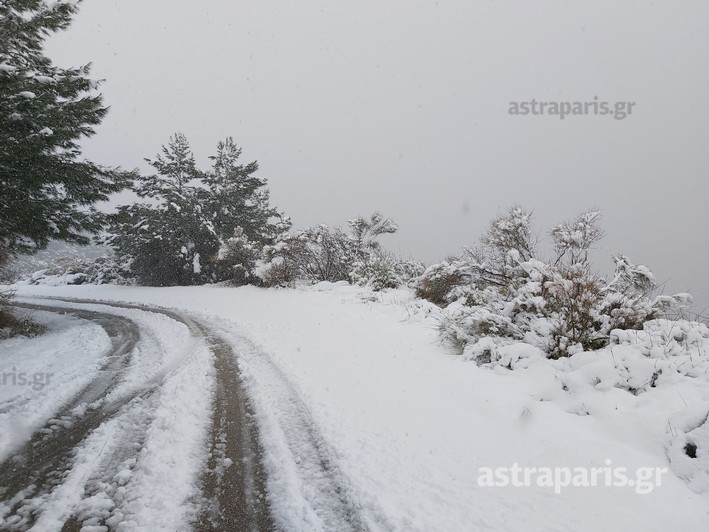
233	486
40	464
306	489
41	468
298	464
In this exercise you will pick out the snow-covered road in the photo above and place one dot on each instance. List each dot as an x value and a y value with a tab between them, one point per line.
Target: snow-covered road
364	421
36	465
128	450
163	437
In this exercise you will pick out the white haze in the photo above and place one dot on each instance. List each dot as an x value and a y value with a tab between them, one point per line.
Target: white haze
401	106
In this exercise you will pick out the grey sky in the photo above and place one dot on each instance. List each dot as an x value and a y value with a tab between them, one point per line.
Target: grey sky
401	106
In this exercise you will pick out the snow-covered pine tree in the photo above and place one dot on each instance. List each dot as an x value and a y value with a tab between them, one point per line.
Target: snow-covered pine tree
177	170
237	198
169	241
46	189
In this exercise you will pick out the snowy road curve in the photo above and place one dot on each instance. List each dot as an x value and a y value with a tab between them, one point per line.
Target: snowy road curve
164	437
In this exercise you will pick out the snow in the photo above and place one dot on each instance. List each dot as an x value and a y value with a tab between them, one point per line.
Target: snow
54	5
45	277
196	266
360	379
56	365
28	94
45	79
168	384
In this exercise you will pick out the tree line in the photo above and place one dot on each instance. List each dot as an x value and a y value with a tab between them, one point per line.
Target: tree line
193	226
190	226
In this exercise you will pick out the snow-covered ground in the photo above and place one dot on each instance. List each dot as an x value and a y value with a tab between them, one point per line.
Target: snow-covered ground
55	365
407	426
165	398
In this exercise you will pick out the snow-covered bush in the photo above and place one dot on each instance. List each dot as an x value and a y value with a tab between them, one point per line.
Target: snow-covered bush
572	301
410	270
82	270
5	298
277	266
626	302
324	253
382	269
510	231
463	325
10	323
499	289
379	271
663	338
446	282
237	258
315	254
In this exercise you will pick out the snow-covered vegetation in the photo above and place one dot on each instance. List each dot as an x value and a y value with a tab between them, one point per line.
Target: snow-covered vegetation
216	226
310	255
180	233
323	253
381	361
502	291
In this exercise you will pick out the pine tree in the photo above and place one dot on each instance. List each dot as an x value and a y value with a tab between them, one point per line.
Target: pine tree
237	198
47	191
169	241
177	170
198	226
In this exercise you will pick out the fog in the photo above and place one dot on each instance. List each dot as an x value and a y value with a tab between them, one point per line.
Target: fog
402	107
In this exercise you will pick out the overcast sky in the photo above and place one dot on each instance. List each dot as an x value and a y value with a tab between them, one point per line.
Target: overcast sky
402	106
